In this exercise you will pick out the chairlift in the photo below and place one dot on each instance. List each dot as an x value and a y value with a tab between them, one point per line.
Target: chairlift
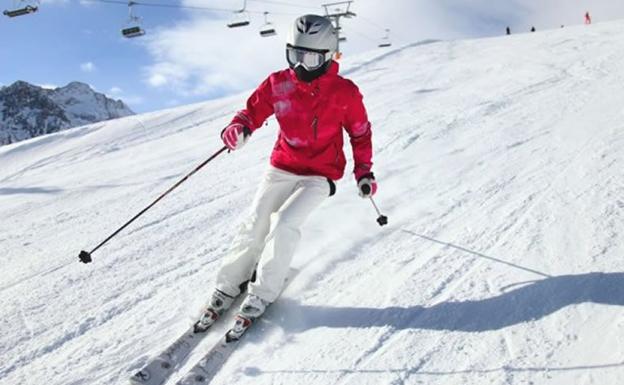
133	28
341	37
22	8
240	18
267	29
385	41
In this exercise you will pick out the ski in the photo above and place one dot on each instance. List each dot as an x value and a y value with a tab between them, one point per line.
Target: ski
159	368
204	371
209	365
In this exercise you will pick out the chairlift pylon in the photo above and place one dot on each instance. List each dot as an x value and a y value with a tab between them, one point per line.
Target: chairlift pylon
21	8
385	41
133	26
240	18
267	29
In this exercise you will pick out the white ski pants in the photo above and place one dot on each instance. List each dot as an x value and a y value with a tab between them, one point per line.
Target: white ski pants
267	239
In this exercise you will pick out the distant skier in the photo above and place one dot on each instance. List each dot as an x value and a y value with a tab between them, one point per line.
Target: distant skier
312	104
587	18
508	31
533	29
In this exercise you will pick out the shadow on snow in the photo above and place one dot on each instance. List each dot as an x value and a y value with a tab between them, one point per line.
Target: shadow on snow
527	303
29	190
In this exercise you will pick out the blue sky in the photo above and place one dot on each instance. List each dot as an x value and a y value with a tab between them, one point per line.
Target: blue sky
189	56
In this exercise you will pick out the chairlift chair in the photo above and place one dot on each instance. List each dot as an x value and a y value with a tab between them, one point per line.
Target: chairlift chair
240	18
22	8
385	41
267	29
131	32
341	37
133	28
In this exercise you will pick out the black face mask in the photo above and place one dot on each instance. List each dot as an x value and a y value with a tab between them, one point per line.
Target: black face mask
308	76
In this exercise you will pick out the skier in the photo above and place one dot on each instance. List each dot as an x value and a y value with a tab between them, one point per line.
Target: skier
312	104
533	29
508	30
587	18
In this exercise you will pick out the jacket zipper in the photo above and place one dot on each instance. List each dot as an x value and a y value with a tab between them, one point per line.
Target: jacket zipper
314	126
315	94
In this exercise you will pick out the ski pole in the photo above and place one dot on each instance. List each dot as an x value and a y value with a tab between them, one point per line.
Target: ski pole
382	219
85	257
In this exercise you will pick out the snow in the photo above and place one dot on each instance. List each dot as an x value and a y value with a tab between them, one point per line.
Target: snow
499	165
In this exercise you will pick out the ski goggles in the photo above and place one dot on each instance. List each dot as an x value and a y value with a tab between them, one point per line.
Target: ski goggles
308	59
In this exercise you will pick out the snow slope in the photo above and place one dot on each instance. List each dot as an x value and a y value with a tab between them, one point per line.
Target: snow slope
500	168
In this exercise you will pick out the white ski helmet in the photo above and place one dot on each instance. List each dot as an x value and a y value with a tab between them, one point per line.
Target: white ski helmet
315	33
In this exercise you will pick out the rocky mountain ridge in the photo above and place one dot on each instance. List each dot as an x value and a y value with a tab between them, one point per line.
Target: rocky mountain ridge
27	111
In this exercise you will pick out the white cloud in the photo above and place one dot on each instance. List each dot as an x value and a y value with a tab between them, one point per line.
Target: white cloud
133	100
87	67
201	56
118	93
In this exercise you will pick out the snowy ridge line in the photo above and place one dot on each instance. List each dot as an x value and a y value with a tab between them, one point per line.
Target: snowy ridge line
350	70
48	140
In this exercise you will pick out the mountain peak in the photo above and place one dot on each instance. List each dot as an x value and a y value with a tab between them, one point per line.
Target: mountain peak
27	110
20	84
78	86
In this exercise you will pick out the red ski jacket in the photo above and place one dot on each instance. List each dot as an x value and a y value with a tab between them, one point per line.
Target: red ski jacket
311	117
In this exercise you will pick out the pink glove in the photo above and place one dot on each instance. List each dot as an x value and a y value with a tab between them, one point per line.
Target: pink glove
367	186
235	136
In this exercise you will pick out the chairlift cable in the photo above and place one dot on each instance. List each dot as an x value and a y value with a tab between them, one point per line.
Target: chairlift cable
376	25
393	37
162	5
350	27
284	3
191	7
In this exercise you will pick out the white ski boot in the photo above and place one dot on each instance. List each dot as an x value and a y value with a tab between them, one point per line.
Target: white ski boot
251	308
219	303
